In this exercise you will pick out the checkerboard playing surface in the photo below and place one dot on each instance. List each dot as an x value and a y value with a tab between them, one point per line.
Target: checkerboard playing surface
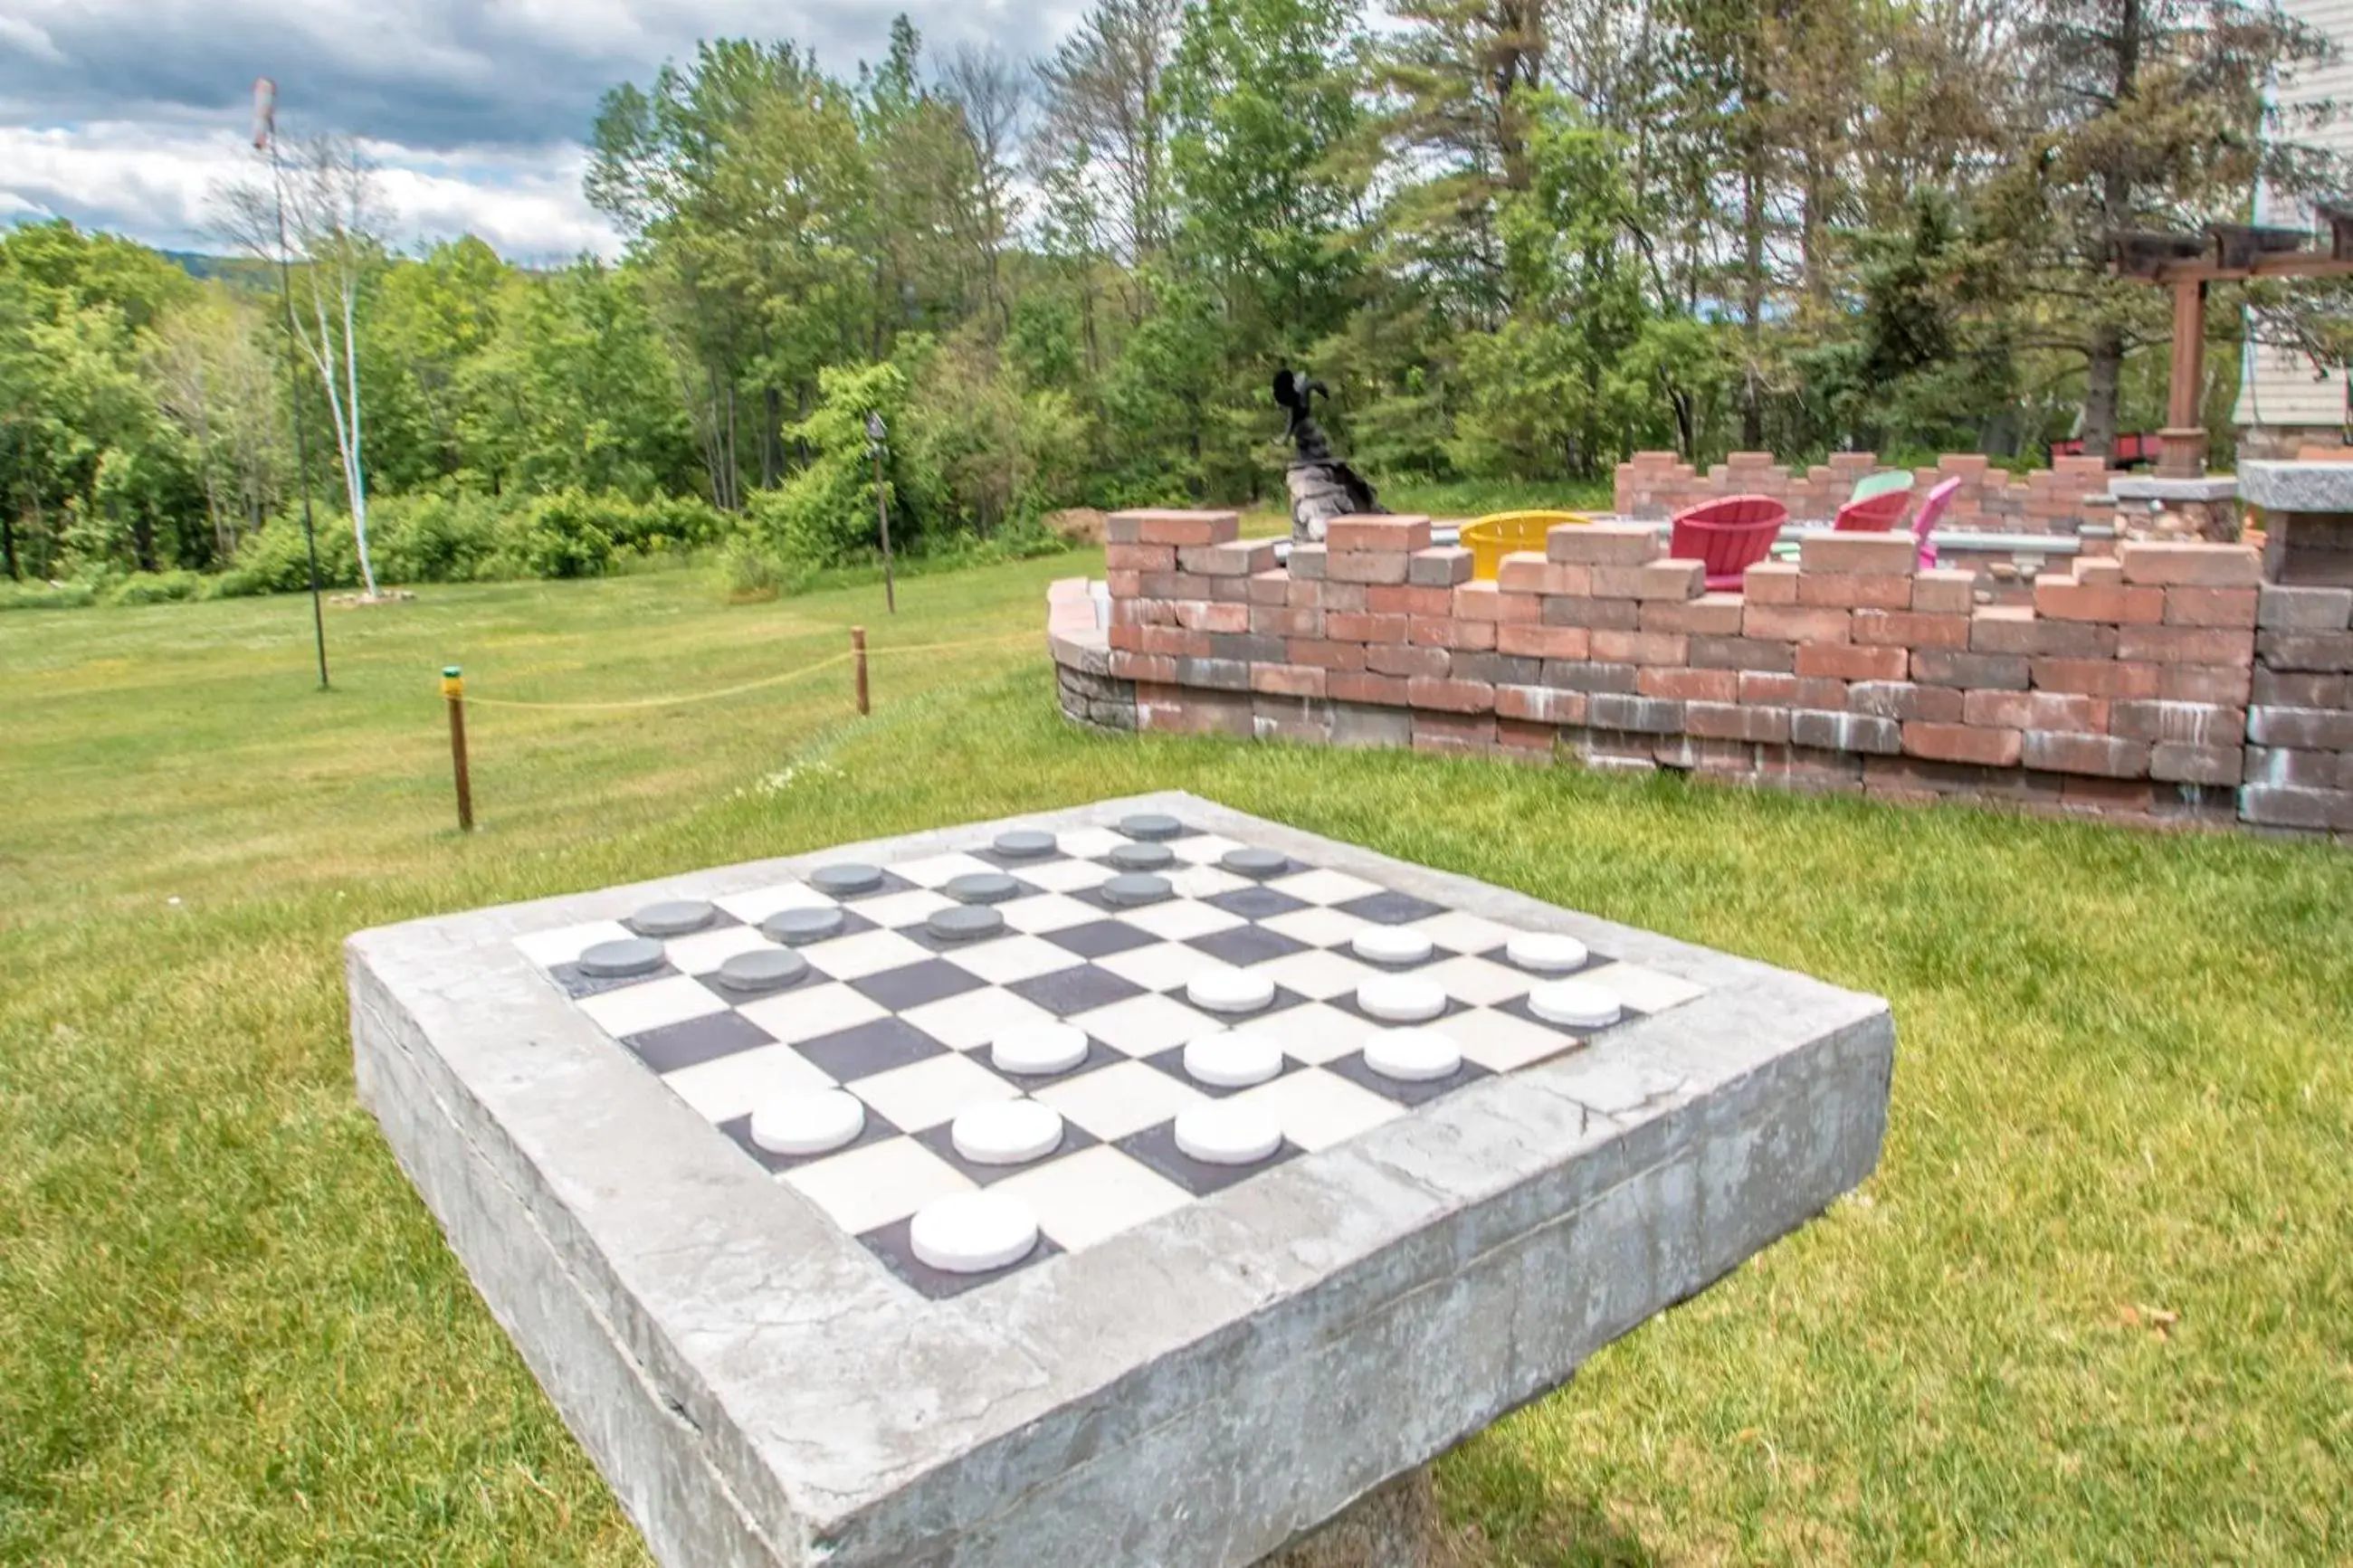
901	1017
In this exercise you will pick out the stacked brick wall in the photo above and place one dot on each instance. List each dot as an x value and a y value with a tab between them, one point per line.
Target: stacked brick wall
2300	728
2122	689
2060	500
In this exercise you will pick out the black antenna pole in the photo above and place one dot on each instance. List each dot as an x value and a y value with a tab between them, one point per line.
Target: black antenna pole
294	403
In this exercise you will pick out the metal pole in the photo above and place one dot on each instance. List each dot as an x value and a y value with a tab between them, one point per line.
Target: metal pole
453	688
858	659
294	408
882	508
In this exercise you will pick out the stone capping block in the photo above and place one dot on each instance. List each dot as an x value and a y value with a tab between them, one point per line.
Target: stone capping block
2297	486
1604	544
1403	535
759	1391
2303	609
1163	526
2165	562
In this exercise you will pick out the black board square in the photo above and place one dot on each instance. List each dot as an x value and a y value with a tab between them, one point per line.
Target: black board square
933	980
864	1049
577	986
1255	903
889	1243
739	1131
1353	1068
1081	990
1099	1056
1390	909
941	1140
1285	998
1156	1148
1244	945
1100	938
697	1040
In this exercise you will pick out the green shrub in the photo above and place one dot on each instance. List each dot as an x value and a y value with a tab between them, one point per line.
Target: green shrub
157	588
432	538
47	595
275	559
563	535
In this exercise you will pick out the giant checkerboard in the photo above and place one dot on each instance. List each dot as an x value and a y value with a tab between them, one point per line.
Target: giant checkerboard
1193	1362
903	1019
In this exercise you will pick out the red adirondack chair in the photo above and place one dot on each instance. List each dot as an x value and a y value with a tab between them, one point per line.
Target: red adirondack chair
1932	512
1728	535
1876	515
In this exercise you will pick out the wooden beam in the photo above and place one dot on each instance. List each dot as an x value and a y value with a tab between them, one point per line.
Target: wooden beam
2301	264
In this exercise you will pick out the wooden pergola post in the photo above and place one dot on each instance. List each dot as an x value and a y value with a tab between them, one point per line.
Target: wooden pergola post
2182	453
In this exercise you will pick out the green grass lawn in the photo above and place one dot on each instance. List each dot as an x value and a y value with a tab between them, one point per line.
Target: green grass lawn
2097	1306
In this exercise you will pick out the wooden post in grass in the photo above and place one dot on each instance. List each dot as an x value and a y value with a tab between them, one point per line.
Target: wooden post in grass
453	688
858	659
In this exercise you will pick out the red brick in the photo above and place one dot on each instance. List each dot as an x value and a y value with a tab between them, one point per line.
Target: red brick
2097	574
1540	704
2228	607
1527	572
1689	685
1124	636
1123	584
1201	618
1838	661
1325	655
1905	702
2096	676
1288	679
1127	666
1741	653
2212	646
1357	685
1271	622
1151	527
1945	591
1582	610
1767	688
1736	721
1907	628
1640	647
1234	558
1452	696
2203	683
1366	568
2120	605
1964	744
1400	535
1345	626
1671	580
1456	732
1177	642
2180	723
2062	752
1435	631
2166	563
1854	591
2036	710
2175	764
1874	555
1270	588
1140	557
1971	672
1771	583
1604	544
1394	599
1526	741
1443	567
1544	642
1477	602
1796	624
1396	659
1710	615
2003	629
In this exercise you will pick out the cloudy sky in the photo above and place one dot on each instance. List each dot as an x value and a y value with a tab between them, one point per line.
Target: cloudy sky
126	114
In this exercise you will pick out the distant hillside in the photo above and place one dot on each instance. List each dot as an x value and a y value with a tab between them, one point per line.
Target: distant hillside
238	271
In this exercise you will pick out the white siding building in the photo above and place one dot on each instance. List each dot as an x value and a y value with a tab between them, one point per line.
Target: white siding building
2283	401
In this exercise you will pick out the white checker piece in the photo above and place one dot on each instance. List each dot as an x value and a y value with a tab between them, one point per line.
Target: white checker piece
1143	1025
549	948
807	1011
975	1019
875	1184
1047	912
734	1086
705	950
868	952
1080	1196
655	1005
1008	959
1116	1100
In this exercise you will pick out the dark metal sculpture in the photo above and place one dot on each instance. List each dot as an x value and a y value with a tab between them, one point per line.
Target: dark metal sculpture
1321	487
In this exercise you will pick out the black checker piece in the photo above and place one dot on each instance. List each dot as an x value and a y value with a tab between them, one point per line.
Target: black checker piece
576	985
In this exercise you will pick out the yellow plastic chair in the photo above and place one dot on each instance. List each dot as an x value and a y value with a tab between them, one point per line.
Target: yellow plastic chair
1499	534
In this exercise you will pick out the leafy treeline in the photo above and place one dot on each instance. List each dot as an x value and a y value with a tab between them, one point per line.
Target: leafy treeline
1518	238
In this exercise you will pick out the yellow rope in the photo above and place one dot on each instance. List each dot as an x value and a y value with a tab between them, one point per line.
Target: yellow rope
807	669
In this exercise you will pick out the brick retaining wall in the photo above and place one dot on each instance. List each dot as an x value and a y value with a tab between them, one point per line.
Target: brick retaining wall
2059	499
2121	691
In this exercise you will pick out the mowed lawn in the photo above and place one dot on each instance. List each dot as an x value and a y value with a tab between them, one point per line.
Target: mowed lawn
2096	1307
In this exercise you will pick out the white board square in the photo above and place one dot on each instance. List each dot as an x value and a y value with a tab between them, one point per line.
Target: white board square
1144	1025
976	1018
1012	958
928	1092
868	952
1114	1101
1478	981
757	905
549	948
873	1185
808	1011
734	1086
1090	843
705	950
1502	1043
1314	1032
1464	933
913	907
1163	966
1047	912
1204	849
1316	1108
1067	876
1647	989
1204	881
1316	926
937	870
634	1009
1094	1195
1178	919
1322	887
1318	972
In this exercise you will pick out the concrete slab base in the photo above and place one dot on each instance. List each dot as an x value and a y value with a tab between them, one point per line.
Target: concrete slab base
1394	1526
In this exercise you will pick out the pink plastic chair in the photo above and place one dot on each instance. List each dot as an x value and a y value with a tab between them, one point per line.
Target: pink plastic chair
1728	536
1932	512
1877	515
